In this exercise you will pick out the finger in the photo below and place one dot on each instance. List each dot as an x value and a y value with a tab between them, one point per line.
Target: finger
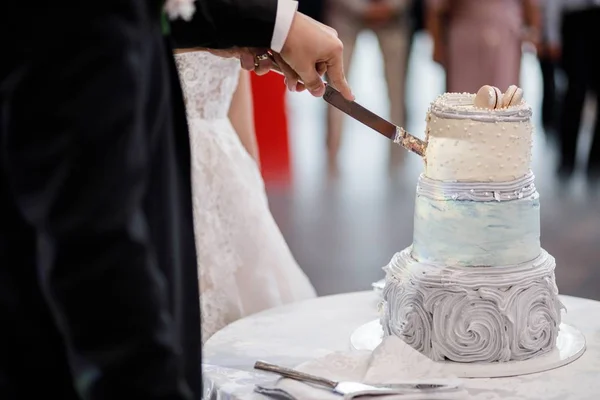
313	82
300	87
247	60
321	68
291	77
335	72
263	67
262	62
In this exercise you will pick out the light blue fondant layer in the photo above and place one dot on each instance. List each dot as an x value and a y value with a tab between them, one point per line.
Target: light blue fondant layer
477	233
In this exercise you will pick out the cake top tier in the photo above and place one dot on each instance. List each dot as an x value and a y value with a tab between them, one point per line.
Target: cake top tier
467	142
462	106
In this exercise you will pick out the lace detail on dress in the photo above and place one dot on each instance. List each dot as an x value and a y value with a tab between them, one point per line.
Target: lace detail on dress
208	83
244	265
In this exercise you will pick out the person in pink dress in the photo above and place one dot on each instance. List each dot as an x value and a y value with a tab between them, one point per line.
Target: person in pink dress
479	42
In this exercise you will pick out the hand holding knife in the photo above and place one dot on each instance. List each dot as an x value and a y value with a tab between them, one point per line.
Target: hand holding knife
368	118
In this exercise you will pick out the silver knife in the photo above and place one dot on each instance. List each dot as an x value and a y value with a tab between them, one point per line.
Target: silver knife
353	109
357	389
375	122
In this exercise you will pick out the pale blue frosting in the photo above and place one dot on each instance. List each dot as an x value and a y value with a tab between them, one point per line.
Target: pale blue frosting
490	230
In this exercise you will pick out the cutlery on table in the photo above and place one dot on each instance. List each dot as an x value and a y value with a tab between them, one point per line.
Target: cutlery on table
353	390
353	109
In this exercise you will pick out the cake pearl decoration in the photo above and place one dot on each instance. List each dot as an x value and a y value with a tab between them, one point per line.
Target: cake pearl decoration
489	97
488	132
512	97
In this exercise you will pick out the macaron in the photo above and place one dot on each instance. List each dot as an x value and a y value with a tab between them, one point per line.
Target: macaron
512	97
488	97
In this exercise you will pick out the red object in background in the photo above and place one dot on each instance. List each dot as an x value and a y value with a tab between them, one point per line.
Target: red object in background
271	124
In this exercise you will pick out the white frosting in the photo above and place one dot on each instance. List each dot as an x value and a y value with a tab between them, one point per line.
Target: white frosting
472	314
475	286
499	231
466	143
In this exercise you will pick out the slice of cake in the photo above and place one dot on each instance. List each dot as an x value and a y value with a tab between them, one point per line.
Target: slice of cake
475	286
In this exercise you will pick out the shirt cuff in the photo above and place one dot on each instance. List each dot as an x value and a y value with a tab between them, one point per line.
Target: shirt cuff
286	10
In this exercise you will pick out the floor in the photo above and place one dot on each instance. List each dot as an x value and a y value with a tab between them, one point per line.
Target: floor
344	225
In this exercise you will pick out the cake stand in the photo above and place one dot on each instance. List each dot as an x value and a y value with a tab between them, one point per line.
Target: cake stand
570	345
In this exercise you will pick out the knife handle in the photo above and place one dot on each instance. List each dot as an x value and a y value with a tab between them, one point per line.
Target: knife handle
293	374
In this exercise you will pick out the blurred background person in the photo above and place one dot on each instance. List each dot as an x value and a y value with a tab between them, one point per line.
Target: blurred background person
417	20
416	26
548	56
390	21
480	42
574	33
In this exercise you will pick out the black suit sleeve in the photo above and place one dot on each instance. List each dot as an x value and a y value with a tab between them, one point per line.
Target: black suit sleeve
222	24
76	156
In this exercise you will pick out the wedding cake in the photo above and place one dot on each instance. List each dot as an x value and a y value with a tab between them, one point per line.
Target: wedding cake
475	286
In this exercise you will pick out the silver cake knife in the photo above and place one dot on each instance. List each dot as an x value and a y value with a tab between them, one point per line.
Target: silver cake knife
375	122
357	389
353	109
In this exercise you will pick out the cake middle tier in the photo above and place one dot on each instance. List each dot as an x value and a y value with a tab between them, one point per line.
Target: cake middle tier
471	224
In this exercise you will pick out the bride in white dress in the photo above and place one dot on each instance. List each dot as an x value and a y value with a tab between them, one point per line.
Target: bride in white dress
244	263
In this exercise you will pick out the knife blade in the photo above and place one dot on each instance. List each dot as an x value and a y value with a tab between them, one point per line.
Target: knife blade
374	121
353	109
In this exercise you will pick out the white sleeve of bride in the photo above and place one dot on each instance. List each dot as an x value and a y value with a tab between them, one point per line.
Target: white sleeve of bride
286	9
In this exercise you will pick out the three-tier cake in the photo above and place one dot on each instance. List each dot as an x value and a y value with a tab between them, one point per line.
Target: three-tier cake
475	286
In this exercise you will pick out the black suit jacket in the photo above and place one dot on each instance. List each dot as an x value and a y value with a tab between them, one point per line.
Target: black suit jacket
98	279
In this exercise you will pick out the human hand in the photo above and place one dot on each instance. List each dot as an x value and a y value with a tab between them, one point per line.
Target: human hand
255	59
262	61
292	79
311	49
247	56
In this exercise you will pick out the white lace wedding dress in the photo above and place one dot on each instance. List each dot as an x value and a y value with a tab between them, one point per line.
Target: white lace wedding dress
244	263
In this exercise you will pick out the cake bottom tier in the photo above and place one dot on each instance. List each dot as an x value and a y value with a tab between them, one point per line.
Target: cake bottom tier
472	314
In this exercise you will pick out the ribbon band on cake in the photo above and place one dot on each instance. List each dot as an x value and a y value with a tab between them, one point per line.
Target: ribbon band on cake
477	191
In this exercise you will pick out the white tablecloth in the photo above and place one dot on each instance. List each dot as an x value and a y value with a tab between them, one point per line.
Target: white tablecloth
296	333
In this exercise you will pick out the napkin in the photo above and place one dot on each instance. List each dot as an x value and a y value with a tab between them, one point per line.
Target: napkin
392	361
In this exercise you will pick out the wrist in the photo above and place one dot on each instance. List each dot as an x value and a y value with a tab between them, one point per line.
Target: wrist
291	36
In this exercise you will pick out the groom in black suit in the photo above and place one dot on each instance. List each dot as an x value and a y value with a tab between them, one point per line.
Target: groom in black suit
98	280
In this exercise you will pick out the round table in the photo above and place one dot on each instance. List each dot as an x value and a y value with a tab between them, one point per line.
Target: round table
296	333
